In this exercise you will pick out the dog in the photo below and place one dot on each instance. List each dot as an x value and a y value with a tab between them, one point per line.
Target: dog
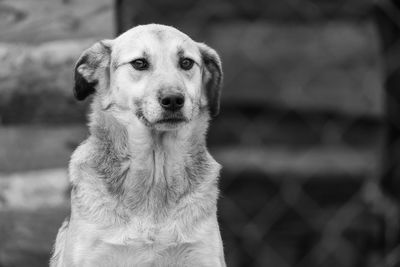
144	186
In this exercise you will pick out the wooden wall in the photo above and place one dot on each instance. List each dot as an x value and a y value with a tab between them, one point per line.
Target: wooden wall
35	21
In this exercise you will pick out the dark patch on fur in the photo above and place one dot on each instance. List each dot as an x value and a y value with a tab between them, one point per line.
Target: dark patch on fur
159	34
196	167
111	155
114	65
180	52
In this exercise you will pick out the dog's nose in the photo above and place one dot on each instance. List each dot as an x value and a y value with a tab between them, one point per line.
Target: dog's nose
172	102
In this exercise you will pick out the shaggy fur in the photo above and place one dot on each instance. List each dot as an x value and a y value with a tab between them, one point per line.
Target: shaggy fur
144	192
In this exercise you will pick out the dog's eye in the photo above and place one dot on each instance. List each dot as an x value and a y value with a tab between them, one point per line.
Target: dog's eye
186	63
140	64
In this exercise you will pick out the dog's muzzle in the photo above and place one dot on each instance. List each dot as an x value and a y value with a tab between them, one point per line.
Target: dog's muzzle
170	113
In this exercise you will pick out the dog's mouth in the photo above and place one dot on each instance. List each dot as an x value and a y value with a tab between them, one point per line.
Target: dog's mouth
169	120
172	119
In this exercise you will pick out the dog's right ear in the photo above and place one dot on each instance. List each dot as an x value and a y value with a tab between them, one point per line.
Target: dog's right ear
92	69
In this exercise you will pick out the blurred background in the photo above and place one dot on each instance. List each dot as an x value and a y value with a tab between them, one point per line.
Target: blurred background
308	132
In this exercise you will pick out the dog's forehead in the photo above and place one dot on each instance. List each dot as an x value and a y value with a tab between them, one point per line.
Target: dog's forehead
148	39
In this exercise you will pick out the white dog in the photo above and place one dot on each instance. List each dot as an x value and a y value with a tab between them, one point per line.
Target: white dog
144	187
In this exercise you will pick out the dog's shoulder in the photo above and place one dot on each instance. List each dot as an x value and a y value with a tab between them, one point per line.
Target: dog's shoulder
79	158
82	152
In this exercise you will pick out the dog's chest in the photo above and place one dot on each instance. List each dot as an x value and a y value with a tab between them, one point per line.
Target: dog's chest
155	183
142	232
139	243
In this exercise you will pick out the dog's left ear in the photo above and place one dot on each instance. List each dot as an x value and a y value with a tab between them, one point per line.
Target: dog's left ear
212	77
92	69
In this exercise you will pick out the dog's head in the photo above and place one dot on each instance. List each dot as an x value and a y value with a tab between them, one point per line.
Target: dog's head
153	73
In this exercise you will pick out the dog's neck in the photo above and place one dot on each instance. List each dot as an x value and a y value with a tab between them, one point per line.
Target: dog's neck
147	169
